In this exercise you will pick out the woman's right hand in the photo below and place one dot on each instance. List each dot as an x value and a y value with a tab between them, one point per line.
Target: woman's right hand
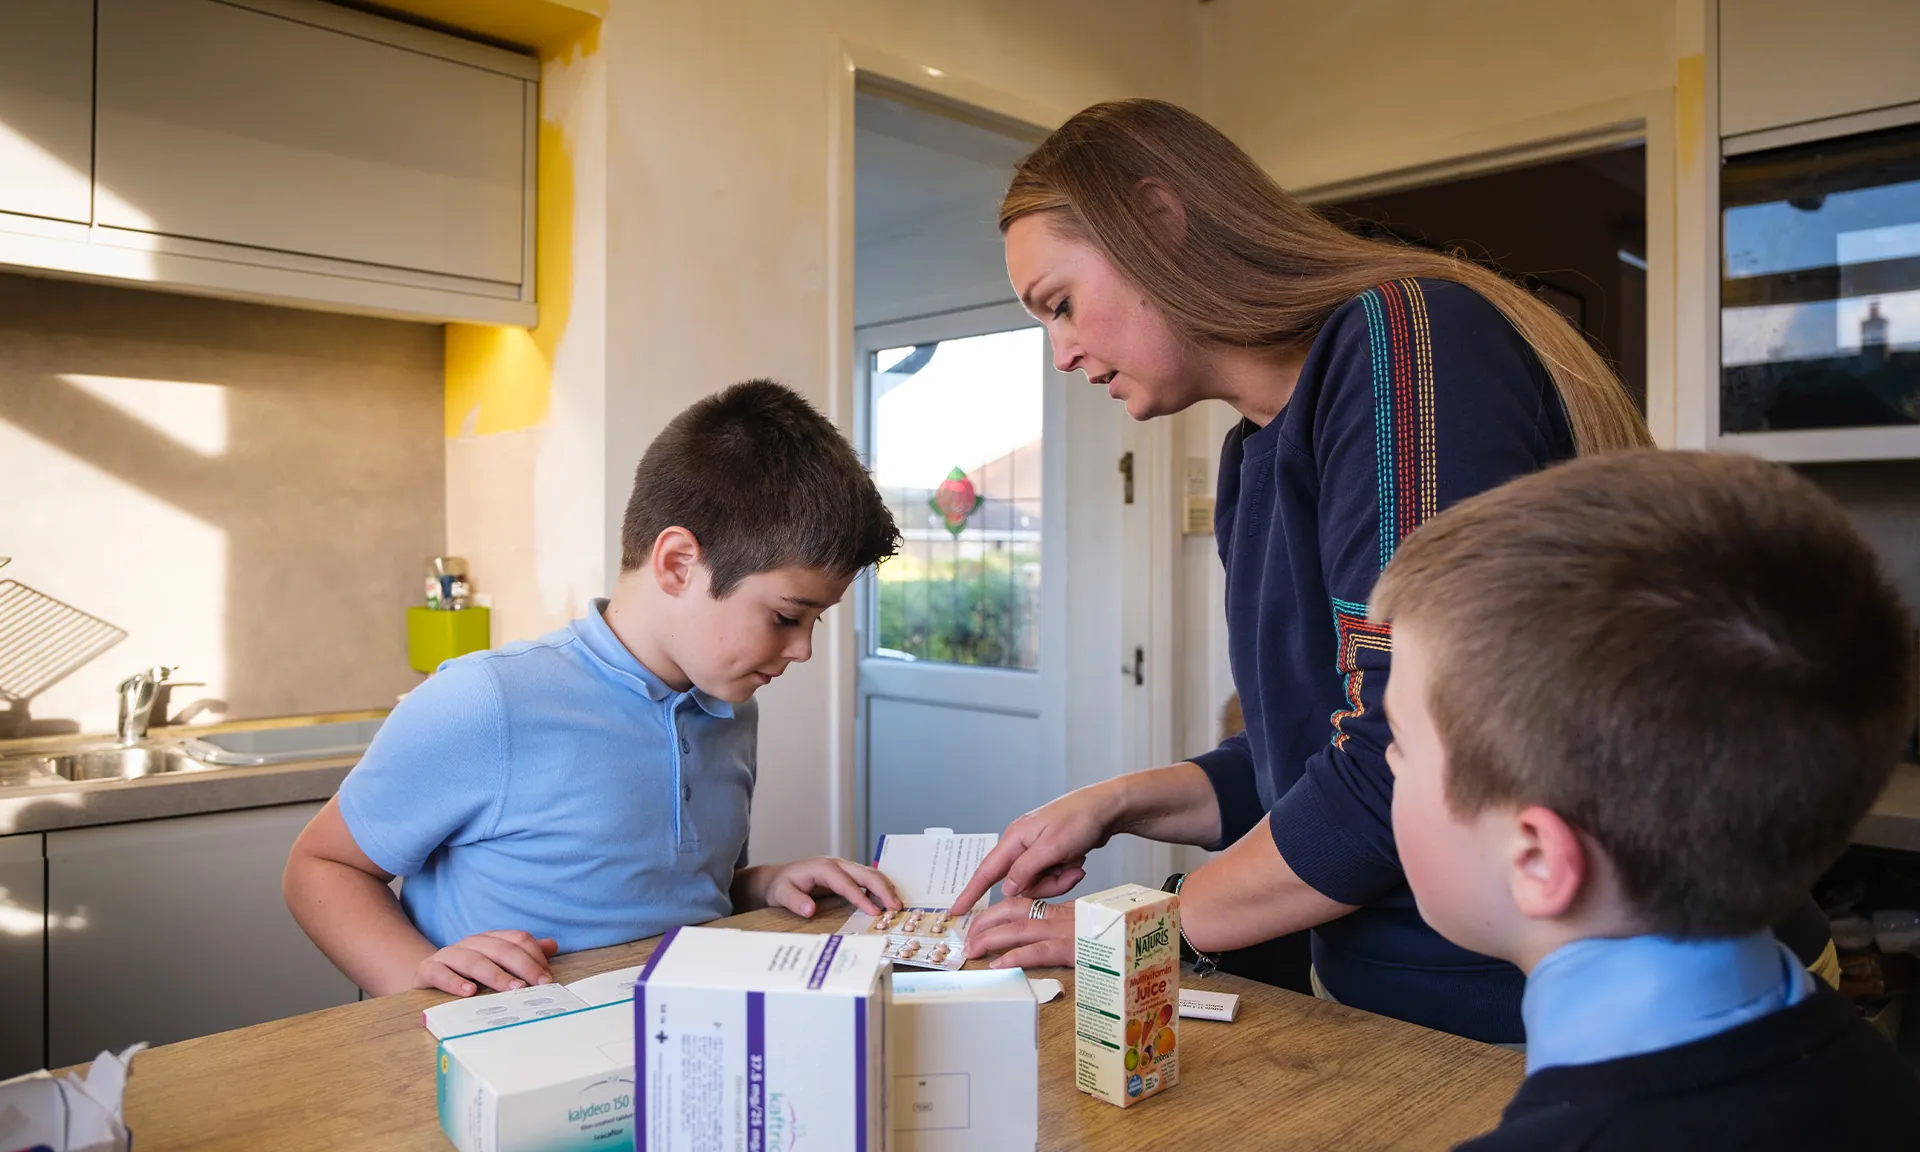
1044	853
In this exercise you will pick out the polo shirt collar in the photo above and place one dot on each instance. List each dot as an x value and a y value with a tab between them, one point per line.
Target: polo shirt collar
607	649
1605	999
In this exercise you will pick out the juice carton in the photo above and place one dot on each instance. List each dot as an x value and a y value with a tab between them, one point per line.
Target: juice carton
1126	989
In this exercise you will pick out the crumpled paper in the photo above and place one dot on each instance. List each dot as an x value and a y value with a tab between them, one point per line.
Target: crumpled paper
80	1112
1044	989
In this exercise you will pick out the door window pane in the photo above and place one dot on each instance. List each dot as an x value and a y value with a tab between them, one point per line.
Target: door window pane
957	454
1820	285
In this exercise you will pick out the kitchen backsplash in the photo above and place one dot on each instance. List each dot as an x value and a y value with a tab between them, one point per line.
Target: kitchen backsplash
248	492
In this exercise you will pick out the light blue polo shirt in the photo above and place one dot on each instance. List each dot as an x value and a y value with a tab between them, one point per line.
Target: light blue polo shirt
557	786
1605	998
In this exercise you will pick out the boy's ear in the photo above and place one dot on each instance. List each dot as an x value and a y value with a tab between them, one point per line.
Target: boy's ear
675	556
1551	866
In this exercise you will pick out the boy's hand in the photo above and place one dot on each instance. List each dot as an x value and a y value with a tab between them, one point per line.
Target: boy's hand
501	961
792	886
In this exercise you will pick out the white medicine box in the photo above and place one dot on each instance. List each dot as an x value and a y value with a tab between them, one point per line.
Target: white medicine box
964	1054
551	1083
761	1041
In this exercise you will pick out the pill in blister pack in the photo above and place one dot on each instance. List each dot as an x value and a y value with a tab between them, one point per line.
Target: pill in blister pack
921	937
924	922
916	950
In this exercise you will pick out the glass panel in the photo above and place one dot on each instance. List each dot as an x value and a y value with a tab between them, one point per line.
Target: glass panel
957	454
1820	285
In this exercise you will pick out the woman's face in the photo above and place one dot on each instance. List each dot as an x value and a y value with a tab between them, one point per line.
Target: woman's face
1098	323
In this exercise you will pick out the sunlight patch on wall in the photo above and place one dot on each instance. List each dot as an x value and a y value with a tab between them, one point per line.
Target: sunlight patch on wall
190	414
83	535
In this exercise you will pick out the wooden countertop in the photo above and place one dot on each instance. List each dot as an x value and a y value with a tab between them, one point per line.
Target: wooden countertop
1292	1072
85	803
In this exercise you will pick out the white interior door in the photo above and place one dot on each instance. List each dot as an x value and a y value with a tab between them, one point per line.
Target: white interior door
991	648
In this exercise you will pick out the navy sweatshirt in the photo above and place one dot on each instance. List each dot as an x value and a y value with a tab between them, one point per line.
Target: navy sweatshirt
1416	394
1811	1076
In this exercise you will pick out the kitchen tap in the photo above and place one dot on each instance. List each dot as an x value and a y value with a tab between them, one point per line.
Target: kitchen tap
137	695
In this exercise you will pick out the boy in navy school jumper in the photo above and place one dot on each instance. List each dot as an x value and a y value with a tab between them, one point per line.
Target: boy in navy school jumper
593	786
1639	702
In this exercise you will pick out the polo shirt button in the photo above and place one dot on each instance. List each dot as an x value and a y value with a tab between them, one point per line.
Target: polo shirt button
686	749
686	791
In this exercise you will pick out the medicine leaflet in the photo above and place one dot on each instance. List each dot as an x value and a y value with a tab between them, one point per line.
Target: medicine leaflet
500	1009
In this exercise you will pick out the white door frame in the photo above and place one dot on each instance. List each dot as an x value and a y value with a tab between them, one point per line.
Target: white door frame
1150	600
1147	741
852	65
1148	596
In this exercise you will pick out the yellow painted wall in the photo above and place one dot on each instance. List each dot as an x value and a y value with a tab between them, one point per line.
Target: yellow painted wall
524	407
541	25
500	379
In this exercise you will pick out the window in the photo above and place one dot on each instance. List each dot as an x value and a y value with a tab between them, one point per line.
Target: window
1820	285
957	455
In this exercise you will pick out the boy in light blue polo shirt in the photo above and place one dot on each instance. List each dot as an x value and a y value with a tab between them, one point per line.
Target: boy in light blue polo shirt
593	786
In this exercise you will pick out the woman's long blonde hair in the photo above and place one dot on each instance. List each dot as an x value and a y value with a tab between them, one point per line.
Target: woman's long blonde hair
1254	267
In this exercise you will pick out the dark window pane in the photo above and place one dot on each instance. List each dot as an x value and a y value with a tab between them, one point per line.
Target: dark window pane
1820	285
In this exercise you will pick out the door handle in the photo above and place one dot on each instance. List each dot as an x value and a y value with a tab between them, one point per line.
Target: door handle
1137	671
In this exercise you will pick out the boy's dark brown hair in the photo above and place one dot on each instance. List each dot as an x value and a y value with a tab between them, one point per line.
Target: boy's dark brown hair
762	480
1691	657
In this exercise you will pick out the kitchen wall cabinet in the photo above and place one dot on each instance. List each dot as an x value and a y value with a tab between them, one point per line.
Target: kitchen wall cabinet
1789	62
23	938
289	151
306	139
46	108
168	929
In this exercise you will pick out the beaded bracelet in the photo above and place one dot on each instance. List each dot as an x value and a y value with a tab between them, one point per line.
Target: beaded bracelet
1204	964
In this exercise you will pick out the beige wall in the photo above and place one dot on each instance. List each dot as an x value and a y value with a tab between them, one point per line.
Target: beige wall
250	492
1321	93
721	210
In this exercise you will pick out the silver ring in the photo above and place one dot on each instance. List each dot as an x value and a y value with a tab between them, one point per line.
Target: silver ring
1038	910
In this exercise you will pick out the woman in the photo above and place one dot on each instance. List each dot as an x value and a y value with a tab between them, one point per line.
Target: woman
1377	384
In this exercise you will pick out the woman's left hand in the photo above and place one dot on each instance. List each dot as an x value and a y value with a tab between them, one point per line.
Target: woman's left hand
1009	927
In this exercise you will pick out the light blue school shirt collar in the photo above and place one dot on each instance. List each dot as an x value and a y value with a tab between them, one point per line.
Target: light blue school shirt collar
607	650
1602	999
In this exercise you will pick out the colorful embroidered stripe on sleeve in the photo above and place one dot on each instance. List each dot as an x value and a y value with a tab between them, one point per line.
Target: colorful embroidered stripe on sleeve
1355	631
1407	462
1404	438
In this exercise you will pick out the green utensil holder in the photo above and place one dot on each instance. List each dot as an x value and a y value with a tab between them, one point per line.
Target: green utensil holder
435	636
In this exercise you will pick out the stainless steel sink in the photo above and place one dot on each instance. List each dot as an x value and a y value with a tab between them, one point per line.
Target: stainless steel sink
168	754
261	746
96	764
